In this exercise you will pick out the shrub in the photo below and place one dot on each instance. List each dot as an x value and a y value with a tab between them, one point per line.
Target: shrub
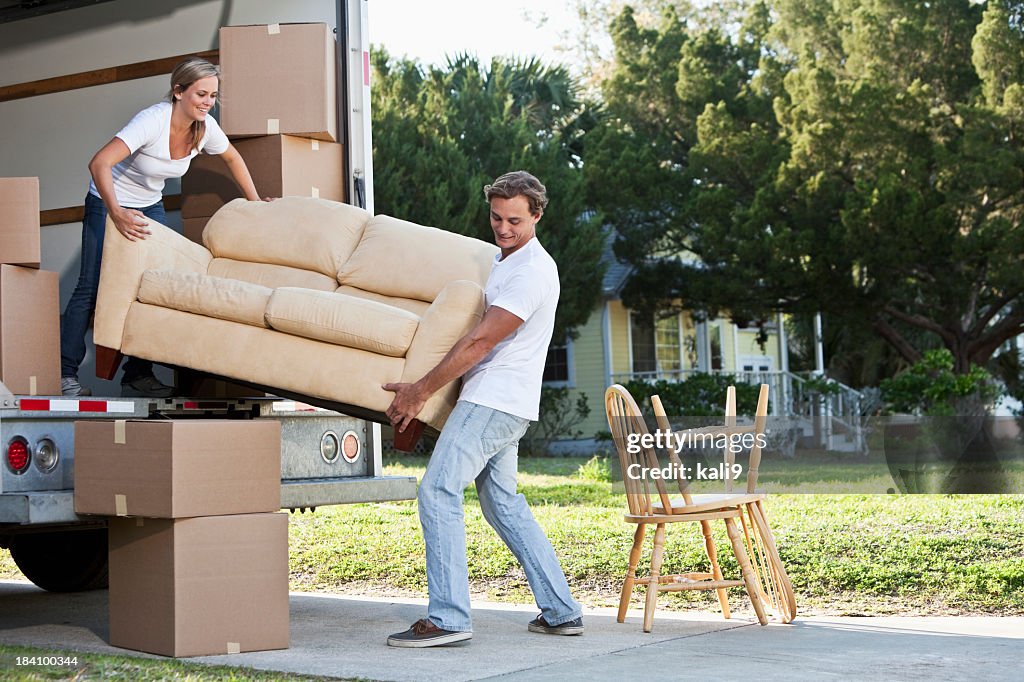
700	395
930	387
559	416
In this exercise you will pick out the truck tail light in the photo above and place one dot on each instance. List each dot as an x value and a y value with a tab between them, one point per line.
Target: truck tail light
18	455
47	455
350	447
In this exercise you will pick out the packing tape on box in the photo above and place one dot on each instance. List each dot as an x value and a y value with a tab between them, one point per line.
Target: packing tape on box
273	29
315	145
234	648
273	126
32	386
119	429
314	192
120	505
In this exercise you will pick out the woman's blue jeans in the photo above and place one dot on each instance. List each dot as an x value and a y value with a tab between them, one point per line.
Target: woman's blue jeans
79	311
482	444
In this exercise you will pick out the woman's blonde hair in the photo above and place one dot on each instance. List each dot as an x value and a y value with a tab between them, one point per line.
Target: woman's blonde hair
184	75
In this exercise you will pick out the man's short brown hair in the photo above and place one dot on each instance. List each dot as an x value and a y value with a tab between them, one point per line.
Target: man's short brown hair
519	183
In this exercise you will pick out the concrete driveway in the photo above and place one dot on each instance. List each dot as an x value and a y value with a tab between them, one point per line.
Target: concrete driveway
344	637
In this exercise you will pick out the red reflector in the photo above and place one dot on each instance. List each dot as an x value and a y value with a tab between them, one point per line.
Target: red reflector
30	404
17	455
92	406
191	405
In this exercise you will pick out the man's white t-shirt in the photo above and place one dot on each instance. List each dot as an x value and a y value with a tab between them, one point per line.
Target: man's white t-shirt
139	179
509	377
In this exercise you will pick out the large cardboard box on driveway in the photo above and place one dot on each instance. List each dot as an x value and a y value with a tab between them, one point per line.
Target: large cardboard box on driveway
177	468
200	586
279	78
19	221
280	165
29	330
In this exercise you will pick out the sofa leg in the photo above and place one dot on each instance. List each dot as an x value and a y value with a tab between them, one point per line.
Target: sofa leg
406	440
108	361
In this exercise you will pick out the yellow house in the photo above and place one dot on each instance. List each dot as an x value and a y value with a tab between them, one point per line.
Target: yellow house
617	345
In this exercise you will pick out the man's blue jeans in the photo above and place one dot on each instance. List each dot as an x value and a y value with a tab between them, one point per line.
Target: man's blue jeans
480	443
78	313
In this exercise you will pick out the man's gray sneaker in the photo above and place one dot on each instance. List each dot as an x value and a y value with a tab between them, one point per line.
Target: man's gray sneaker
572	627
146	387
70	388
424	633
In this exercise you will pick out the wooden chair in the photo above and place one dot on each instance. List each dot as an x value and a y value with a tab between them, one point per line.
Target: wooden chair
776	590
649	503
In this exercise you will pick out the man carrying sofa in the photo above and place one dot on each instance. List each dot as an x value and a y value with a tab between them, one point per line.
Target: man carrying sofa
501	361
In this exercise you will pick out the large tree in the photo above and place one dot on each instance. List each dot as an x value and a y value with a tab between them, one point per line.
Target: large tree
440	134
861	158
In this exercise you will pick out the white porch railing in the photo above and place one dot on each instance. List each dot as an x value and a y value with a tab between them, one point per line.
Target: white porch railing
841	410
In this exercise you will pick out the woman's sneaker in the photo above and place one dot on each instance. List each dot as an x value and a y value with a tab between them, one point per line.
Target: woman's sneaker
70	388
424	633
571	627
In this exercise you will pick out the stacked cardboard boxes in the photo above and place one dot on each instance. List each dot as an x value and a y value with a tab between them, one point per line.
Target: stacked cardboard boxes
278	103
279	92
280	165
29	297
198	554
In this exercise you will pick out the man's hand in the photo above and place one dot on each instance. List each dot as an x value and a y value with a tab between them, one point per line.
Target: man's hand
409	400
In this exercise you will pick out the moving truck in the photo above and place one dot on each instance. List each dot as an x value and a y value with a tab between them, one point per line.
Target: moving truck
74	72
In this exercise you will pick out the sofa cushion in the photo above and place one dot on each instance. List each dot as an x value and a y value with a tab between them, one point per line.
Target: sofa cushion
413	305
301	232
192	292
342	320
272	276
398	258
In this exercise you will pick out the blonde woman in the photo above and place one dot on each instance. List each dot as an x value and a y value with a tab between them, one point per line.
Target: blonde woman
128	176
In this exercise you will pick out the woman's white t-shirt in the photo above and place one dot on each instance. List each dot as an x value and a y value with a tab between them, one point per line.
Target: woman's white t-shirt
139	179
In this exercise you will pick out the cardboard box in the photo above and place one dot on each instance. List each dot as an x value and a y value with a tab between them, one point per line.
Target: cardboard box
202	586
280	165
280	78
178	468
19	221
29	330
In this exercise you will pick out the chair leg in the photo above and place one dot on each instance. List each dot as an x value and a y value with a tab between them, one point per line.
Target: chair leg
634	559
652	585
716	570
786	597
749	577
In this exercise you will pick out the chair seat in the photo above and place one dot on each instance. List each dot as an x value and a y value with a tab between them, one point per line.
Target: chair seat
707	502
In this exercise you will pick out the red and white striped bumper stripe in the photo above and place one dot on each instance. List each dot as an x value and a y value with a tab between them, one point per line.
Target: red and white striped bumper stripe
49	405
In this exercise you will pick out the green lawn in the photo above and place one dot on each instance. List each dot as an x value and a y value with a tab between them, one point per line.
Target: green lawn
845	553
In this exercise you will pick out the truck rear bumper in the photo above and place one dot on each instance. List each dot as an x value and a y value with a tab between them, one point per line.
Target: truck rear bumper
58	506
55	506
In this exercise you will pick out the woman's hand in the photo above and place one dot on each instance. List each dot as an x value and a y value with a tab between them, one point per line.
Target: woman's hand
130	223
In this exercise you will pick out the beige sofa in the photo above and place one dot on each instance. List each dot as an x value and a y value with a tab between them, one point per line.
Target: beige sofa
306	297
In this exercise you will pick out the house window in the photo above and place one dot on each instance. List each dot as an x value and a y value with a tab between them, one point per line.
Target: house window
667	345
558	364
655	346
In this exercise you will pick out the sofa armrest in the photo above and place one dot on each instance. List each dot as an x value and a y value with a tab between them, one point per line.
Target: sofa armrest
121	271
456	310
